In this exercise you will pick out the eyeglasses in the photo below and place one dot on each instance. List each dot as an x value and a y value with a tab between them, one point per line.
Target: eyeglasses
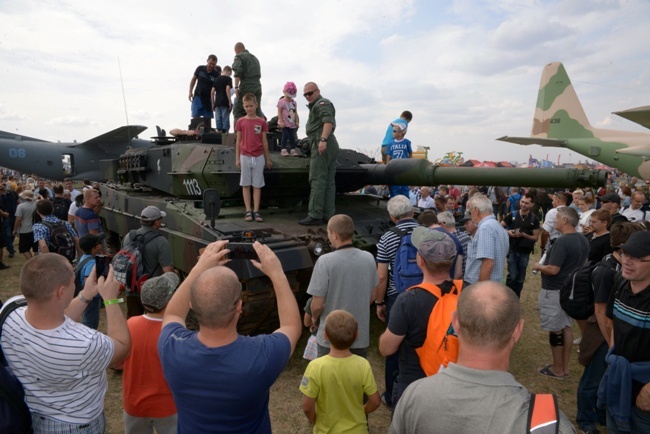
310	93
627	256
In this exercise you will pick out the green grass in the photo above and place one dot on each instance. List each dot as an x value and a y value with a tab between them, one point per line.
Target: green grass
530	353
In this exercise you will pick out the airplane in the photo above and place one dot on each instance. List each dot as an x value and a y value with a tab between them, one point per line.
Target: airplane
560	121
57	161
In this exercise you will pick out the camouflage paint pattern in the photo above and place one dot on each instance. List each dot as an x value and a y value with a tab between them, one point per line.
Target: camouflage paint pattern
560	121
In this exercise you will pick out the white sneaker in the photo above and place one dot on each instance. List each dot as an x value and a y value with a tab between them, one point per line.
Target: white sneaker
284	153
294	153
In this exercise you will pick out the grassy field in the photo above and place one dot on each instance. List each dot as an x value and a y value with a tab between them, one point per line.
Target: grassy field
531	353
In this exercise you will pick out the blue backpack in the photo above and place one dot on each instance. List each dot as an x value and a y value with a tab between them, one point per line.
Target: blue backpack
406	272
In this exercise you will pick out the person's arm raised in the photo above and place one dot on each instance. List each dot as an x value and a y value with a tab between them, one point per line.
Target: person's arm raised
288	312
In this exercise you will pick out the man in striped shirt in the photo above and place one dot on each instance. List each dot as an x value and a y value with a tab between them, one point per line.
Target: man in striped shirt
401	213
60	362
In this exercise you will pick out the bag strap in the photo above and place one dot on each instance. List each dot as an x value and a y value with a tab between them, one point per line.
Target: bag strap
399	231
543	414
435	289
6	309
80	265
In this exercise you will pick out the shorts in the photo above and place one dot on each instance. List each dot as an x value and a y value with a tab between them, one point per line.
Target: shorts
198	111
26	243
551	316
252	171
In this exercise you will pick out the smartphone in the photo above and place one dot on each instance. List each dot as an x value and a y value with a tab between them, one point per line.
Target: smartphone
241	251
102	263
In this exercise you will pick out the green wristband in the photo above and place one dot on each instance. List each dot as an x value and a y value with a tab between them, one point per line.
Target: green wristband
115	301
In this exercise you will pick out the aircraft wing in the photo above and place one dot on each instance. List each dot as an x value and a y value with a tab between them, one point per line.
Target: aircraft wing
111	139
639	115
555	143
13	136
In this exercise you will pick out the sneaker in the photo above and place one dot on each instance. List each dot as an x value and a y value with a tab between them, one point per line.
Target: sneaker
294	153
386	401
3	266
284	153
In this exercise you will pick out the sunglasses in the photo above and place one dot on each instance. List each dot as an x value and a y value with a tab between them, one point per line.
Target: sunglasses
396	131
310	93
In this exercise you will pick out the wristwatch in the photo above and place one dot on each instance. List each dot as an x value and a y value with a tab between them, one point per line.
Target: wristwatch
323	139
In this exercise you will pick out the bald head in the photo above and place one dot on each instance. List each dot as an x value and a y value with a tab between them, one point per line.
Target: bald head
239	47
214	297
488	313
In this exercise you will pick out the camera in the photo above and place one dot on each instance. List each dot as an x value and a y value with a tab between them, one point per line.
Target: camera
102	263
241	251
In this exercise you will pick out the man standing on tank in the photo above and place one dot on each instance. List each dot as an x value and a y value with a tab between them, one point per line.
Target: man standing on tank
247	80
200	98
324	150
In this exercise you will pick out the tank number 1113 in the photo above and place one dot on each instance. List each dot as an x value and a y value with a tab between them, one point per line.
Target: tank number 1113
192	186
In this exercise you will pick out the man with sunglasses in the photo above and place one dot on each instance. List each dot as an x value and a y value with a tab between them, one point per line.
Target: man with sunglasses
324	150
625	388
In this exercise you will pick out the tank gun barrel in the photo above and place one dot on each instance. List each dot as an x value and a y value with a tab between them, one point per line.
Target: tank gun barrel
421	172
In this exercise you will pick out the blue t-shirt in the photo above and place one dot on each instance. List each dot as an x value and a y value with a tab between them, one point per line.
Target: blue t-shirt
401	149
224	389
388	137
514	198
87	268
86	221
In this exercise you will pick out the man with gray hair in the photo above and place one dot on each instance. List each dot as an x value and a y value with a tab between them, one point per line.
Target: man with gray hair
409	320
569	252
486	255
157	258
477	393
221	380
448	222
400	211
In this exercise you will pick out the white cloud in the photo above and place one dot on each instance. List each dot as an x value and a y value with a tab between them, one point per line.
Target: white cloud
467	69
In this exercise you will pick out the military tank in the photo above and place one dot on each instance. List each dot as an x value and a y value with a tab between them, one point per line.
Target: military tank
195	181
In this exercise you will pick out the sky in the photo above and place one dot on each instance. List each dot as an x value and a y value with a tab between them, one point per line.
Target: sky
468	70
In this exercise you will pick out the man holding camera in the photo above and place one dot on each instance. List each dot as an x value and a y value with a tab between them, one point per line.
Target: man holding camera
523	231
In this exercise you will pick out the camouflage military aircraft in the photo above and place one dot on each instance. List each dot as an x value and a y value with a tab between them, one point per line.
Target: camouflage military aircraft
60	160
561	122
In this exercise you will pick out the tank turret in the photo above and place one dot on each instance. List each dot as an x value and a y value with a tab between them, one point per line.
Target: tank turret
175	175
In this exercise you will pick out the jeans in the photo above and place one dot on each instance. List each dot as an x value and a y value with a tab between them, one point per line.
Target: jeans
588	414
288	135
8	227
90	317
639	423
222	118
517	263
392	362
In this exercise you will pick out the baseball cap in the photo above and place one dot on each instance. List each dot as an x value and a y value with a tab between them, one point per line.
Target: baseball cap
638	245
151	213
610	197
88	241
157	291
433	245
400	124
290	89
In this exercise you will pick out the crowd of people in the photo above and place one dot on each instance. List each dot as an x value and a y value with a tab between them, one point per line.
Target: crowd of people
214	379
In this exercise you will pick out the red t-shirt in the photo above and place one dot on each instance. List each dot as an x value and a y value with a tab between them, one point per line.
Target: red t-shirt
251	135
144	390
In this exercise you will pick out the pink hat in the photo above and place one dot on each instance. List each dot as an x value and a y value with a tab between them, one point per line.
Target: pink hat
290	89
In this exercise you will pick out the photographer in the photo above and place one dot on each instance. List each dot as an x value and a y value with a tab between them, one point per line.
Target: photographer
523	232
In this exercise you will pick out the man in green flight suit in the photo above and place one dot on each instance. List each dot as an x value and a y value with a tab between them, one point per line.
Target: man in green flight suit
324	150
247	80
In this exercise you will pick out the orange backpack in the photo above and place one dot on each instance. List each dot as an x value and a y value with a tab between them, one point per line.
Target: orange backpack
441	344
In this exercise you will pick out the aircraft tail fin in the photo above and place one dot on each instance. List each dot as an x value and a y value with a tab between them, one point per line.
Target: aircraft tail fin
558	113
114	138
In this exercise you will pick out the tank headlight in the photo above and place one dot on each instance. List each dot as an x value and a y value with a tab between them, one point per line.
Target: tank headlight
318	249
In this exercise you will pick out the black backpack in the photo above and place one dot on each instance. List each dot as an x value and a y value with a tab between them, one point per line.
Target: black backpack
577	292
61	240
61	207
15	417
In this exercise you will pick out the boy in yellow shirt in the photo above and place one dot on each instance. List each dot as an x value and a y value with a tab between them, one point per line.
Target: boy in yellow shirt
334	385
